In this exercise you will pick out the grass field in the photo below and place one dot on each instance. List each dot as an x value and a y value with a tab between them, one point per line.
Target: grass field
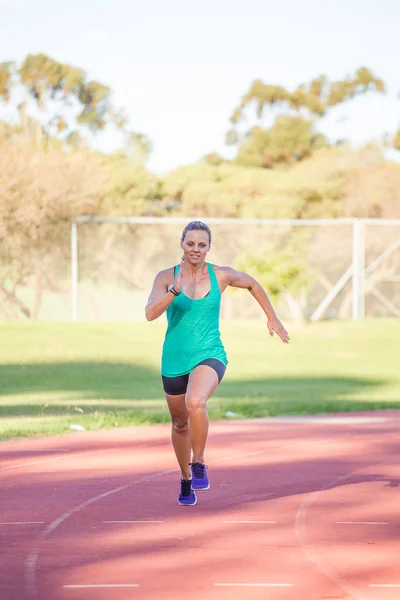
107	375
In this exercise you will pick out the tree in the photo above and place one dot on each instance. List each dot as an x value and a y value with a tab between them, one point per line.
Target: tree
296	113
59	98
40	191
282	271
137	148
48	174
214	159
290	139
129	189
314	98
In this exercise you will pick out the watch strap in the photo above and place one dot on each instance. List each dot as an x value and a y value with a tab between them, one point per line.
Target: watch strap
173	290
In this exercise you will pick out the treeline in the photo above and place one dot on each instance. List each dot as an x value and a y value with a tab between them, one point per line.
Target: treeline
287	169
50	173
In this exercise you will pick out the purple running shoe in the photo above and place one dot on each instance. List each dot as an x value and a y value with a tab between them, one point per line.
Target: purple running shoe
187	497
199	476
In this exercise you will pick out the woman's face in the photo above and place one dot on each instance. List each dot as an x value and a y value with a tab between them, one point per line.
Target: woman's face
195	246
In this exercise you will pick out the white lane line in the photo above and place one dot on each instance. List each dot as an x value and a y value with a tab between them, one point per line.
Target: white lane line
103	585
133	521
269	522
32	558
361	523
311	553
22	523
385	585
253	584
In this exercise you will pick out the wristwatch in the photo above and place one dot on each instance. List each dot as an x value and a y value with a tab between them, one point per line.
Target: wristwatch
173	290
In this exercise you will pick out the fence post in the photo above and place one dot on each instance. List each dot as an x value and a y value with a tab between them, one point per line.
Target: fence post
74	270
358	304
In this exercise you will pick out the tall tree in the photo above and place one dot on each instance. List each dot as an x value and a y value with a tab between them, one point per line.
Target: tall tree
299	112
289	140
40	191
310	99
60	98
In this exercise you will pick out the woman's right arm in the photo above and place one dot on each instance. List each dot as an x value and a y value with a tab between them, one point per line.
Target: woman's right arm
160	298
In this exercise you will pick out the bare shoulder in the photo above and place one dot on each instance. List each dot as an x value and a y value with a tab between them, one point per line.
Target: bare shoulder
229	276
224	274
166	273
164	277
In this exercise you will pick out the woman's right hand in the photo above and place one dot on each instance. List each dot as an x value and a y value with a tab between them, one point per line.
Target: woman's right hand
178	279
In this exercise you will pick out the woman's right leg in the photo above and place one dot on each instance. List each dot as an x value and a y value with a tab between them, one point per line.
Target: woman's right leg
180	432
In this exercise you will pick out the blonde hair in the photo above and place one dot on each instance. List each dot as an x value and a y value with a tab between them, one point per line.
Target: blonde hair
196	226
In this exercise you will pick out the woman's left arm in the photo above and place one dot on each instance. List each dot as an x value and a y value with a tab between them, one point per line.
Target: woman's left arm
242	280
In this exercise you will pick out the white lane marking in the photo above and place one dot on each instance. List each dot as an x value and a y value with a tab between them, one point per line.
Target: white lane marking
23	523
361	523
312	555
385	585
253	584
133	521
103	585
32	558
270	522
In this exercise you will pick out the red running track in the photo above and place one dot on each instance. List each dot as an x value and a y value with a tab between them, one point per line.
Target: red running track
297	510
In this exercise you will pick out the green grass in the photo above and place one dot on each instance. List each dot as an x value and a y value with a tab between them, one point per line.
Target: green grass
107	375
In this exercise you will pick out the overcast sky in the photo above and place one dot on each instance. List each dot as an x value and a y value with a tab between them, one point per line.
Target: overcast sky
179	68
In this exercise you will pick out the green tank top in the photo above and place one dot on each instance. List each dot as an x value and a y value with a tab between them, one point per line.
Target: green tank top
193	331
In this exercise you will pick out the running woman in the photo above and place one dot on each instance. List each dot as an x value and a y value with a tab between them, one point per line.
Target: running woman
193	356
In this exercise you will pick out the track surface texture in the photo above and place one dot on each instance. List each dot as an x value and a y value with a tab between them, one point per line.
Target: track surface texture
298	509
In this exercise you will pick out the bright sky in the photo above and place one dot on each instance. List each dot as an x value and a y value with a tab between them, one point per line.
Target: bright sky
179	67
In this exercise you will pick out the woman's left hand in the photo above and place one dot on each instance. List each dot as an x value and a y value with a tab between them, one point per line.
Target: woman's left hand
274	325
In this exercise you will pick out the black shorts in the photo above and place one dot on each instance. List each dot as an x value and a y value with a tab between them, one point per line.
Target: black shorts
174	386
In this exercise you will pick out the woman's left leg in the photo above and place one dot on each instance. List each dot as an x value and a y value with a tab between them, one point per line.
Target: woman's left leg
180	433
203	381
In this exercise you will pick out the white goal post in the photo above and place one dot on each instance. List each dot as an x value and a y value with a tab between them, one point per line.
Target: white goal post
358	272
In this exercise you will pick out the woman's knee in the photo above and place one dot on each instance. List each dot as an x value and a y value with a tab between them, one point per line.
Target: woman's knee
179	426
195	402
